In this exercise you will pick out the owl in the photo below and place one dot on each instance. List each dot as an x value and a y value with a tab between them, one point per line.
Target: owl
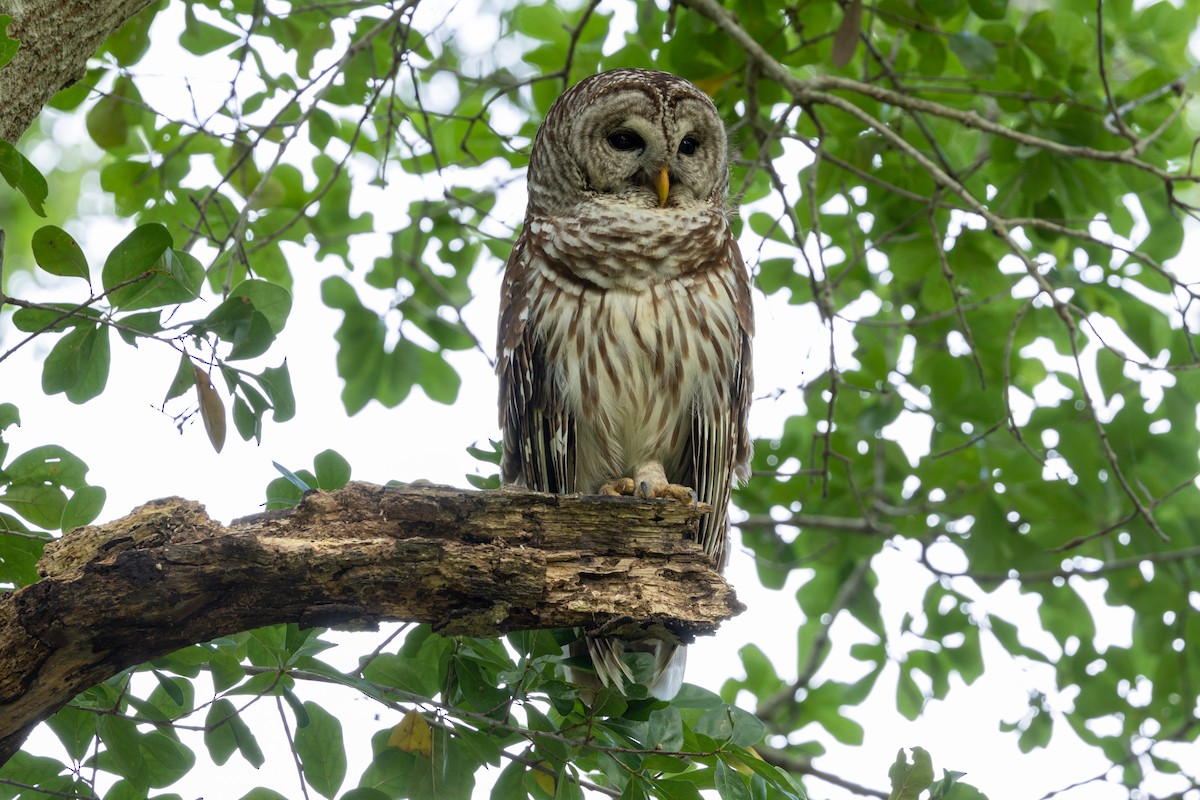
625	319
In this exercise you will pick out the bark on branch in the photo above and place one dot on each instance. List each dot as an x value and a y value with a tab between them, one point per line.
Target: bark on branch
471	563
56	40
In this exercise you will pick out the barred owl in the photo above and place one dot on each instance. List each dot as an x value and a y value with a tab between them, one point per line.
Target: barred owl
625	319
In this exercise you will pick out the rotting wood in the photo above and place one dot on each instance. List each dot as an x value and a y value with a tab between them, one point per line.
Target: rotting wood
466	562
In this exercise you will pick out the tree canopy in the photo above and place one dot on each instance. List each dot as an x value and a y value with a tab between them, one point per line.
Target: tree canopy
975	212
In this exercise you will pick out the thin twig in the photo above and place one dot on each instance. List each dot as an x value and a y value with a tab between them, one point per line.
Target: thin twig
802	765
1114	121
287	732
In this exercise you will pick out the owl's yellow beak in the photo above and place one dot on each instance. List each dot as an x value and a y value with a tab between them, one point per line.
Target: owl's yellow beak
662	182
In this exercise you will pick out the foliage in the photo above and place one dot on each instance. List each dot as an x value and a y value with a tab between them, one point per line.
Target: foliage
983	204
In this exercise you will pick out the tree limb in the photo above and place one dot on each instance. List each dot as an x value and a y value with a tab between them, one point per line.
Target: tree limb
56	40
468	563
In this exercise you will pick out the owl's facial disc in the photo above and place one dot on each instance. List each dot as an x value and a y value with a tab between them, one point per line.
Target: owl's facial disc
645	145
649	159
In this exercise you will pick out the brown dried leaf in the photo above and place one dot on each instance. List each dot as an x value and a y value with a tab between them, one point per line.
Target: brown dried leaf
845	41
212	409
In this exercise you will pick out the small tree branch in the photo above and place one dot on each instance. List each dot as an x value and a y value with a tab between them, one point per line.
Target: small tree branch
802	765
466	562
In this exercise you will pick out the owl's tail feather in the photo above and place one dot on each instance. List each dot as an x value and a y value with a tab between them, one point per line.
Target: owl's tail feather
611	669
670	661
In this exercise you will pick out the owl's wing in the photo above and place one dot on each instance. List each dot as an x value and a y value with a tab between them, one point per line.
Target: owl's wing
539	431
720	439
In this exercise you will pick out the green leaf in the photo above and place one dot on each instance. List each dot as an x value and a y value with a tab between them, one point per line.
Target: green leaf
259	793
131	41
909	780
390	771
940	8
201	38
336	292
76	729
511	783
166	758
678	789
257	339
731	724
245	421
436	376
976	53
333	471
49	464
483	746
8	46
20	173
225	732
989	9
238	322
56	317
123	748
65	362
40	504
360	358
292	478
136	269
276	382
1037	734
1006	633
9	416
761	678
777	779
365	794
185	378
83	507
172	689
665	730
729	783
78	364
107	122
20	550
271	300
148	323
59	254
910	700
322	750
48	774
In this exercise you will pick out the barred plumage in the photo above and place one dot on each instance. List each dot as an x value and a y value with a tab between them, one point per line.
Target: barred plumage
626	319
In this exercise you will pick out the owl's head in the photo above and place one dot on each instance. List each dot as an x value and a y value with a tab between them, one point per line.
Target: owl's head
630	136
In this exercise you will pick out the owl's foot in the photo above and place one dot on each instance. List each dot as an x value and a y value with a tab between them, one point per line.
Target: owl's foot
649	481
619	487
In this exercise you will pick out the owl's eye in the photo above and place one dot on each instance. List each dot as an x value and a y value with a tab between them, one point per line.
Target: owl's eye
688	145
624	140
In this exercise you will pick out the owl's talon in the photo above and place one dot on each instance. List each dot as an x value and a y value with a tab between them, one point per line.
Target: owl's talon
621	487
652	482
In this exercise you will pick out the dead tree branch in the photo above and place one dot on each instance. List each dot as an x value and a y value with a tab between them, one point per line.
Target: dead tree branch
467	562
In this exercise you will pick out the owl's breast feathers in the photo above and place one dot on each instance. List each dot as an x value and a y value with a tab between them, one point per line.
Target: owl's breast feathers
603	245
640	326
